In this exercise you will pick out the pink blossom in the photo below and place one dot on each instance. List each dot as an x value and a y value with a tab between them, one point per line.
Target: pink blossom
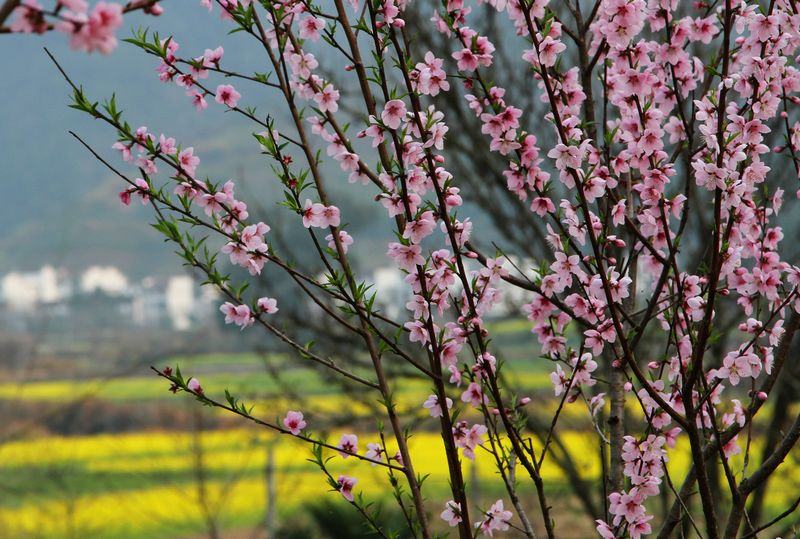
618	213
604	530
227	95
406	256
167	145
124	149
327	99
469	438
549	49
417	331
125	197
473	395
212	57
198	99
703	30
497	519
29	18
348	444
466	60
452	513
567	157
345	239
141	189
319	215
432	405
237	314
268	305
346	484
331	216
310	28
764	28
420	228
393	113
542	206
294	422
96	33
627	506
188	161
640	527
430	77
374	452
313	214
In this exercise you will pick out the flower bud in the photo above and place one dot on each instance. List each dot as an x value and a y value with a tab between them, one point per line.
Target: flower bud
194	386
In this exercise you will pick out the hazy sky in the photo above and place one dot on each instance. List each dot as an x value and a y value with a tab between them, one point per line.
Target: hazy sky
60	204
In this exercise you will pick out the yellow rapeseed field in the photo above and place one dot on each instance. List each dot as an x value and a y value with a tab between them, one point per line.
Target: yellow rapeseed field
234	460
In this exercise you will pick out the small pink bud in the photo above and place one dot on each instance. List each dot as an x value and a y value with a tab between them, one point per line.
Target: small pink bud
194	385
652	365
628	386
524	400
762	396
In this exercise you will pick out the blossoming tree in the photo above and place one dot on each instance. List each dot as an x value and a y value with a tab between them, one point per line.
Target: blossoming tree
658	119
